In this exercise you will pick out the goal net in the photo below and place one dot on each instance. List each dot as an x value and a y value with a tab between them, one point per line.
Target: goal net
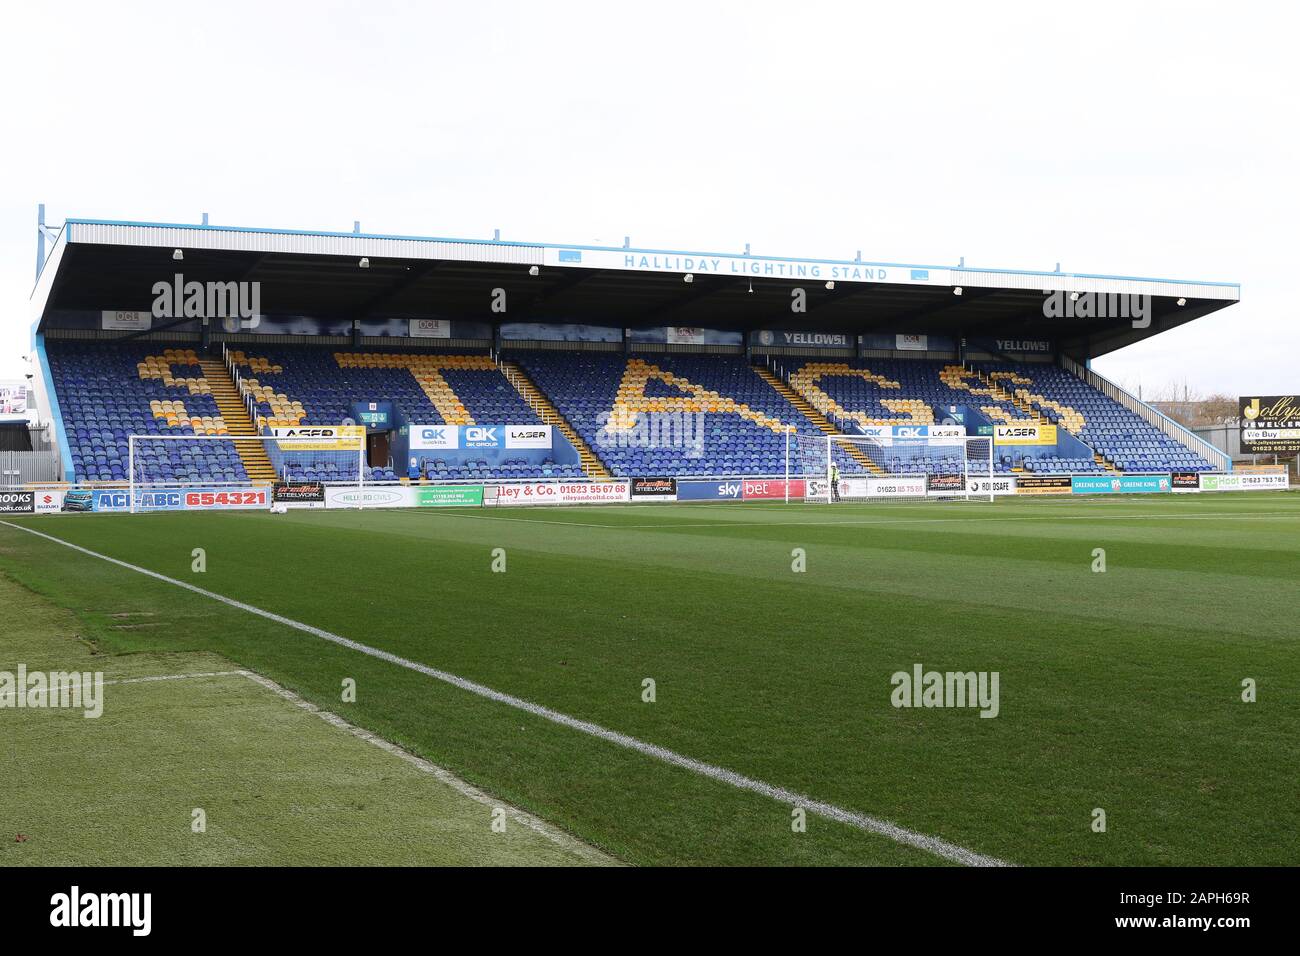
894	464
228	464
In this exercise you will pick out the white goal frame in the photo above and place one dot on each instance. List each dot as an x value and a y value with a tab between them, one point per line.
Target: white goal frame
974	468
346	444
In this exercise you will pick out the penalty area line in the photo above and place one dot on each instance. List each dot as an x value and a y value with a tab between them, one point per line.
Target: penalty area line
862	821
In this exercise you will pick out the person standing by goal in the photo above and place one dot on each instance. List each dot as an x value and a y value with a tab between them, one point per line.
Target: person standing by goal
835	481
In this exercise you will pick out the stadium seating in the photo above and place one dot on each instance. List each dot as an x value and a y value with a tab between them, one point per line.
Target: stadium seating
718	415
1123	437
878	391
740	430
107	393
310	385
881	391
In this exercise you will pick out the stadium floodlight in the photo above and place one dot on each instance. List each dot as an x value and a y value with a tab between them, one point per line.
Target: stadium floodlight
956	290
364	263
178	254
534	271
1182	301
688	277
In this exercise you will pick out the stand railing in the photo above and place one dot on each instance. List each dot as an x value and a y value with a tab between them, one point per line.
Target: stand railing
1193	442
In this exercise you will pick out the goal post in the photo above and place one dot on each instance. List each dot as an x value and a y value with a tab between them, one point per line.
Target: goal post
895	463
231	462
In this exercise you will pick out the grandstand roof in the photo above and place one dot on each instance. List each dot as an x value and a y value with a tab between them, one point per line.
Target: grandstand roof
98	264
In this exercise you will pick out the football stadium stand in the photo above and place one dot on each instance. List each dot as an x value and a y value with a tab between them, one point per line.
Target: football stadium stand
729	420
598	343
731	417
109	392
859	392
1119	436
311	385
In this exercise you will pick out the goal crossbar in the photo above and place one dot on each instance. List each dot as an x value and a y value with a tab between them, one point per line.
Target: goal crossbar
858	467
158	462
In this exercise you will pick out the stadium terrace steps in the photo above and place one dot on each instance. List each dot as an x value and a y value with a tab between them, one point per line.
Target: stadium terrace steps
592	466
235	416
816	417
1017	398
1104	462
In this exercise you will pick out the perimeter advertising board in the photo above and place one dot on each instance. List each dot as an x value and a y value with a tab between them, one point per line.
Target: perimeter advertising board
556	493
1245	482
1120	484
1270	424
883	487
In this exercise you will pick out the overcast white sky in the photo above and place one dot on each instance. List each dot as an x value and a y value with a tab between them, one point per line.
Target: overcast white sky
1154	139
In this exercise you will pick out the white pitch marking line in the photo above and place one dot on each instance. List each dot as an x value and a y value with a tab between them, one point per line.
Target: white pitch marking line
1240	516
930	844
444	776
555	835
126	680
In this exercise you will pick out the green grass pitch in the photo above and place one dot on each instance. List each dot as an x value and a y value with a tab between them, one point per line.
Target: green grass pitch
1120	690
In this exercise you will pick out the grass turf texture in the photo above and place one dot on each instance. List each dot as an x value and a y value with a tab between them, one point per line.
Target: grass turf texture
278	784
1119	690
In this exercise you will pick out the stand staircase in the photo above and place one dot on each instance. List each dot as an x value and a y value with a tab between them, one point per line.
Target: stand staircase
592	466
802	405
235	415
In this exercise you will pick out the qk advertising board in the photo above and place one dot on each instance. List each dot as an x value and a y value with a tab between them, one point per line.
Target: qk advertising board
1270	424
655	489
991	486
17	502
1024	433
449	496
765	490
1044	485
434	437
1119	484
911	434
478	437
709	490
1245	482
883	487
557	493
